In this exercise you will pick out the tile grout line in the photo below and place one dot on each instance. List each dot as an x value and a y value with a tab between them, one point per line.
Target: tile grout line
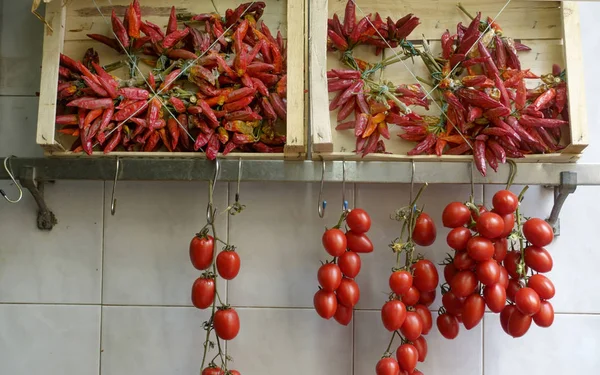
483	345
102	276
353	339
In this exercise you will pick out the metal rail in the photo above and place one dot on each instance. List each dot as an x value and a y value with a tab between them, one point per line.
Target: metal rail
149	169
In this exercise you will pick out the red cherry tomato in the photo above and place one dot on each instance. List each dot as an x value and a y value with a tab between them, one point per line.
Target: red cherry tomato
511	261
343	314
464	283
407	356
350	264
202	251
509	224
527	301
542	286
359	243
427	298
226	323
424	233
203	292
358	220
421	345
449	271
448	326
500	249
495	297
455	215
213	371
228	264
400	282
488	272
480	248
411	297
538	258
334	242
329	277
412	327
505	316
458	238
503	279
513	287
426	318
425	275
473	311
393	314
453	304
325	303
348	292
387	366
462	261
538	232
544	317
490	225
518	323
505	202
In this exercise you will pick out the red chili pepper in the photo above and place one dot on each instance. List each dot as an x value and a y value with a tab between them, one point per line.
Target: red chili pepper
472	81
447	45
500	132
119	29
175	37
133	22
134	93
346	125
346	110
268	109
106	118
222	135
114	141
174	131
176	54
500	52
111	42
178	105
67	119
69	63
561	97
477	98
212	149
479	156
130	111
152	141
458	150
339	84
511	54
349	18
360	124
525	136
156	35
278	105
544	99
383	129
529	121
208	113
471	35
239	94
153	113
359	29
169	80
172	24
91	103
497	112
424	145
474	113
95	87
489	63
406	28
165	139
238	104
491	159
258	66
281	86
337	41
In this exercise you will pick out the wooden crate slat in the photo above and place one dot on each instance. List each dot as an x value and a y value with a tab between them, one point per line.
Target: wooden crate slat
527	19
575	78
53	45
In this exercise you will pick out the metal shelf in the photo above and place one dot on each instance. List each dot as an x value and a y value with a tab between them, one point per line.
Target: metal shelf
154	169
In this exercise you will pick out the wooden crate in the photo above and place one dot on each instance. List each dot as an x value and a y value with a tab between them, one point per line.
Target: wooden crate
71	20
550	28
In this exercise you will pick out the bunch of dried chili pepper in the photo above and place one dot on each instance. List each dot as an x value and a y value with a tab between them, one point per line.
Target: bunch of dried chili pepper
217	87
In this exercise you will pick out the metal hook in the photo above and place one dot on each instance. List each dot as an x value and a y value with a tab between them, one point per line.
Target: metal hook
113	203
239	179
412	180
8	169
210	213
322	203
344	201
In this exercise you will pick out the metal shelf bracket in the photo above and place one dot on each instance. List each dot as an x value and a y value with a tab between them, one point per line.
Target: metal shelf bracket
45	218
568	185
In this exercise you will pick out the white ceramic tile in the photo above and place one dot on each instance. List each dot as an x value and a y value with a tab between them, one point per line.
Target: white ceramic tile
152	340
291	342
146	256
569	346
50	340
21	36
574	252
279	241
18	126
461	356
380	201
58	266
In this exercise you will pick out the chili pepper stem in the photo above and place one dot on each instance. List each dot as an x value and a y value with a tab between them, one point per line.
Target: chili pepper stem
423	80
465	11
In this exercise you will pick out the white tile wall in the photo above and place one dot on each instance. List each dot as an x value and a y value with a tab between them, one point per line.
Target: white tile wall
53	284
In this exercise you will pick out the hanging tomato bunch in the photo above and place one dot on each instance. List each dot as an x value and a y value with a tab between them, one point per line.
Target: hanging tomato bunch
482	271
339	292
406	313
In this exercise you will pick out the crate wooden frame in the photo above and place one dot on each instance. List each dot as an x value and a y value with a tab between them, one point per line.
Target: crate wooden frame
323	139
54	44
